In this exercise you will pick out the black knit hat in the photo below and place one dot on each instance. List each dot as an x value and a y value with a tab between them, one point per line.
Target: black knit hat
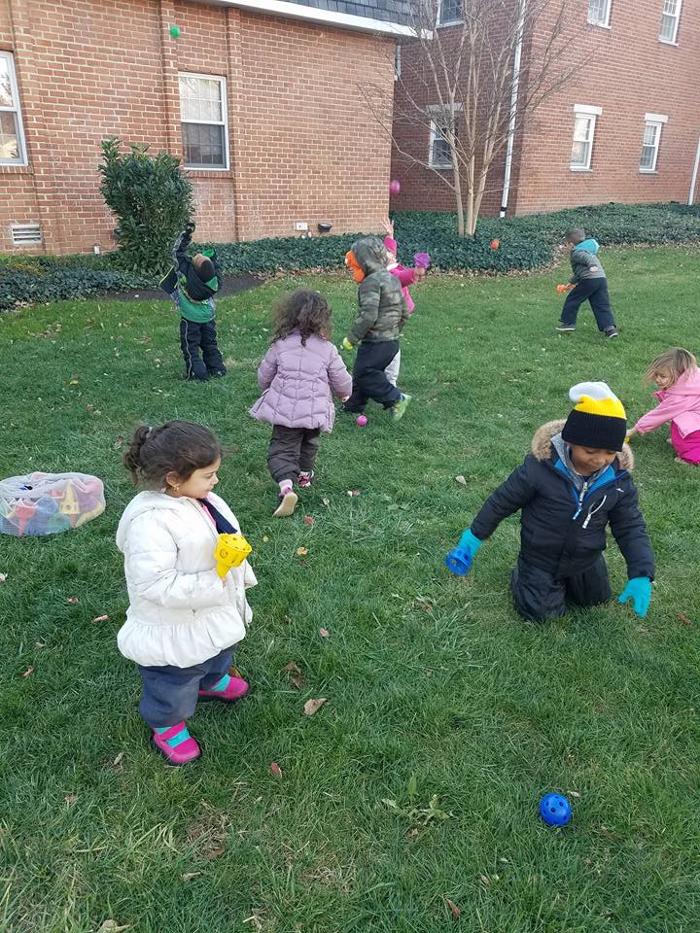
206	270
598	419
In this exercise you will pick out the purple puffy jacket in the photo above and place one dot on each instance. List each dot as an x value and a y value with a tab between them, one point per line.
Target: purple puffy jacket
299	382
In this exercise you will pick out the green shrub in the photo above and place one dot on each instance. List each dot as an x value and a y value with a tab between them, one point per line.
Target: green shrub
152	200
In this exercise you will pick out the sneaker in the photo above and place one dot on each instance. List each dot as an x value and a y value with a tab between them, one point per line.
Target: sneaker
566	328
288	502
176	744
228	689
399	409
611	332
305	479
217	373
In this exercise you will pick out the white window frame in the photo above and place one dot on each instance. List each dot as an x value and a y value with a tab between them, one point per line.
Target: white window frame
434	113
449	22
16	109
676	15
656	120
591	113
604	23
397	61
224	122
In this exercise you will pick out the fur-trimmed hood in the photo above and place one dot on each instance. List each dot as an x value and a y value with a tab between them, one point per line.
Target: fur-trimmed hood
542	444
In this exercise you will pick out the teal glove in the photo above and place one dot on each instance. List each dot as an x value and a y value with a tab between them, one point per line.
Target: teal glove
469	543
638	590
460	558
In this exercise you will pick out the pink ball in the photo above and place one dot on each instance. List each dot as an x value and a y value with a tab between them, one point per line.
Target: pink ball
394	186
361	421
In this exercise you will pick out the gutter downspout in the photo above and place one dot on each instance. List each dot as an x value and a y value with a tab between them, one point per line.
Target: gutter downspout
513	107
694	179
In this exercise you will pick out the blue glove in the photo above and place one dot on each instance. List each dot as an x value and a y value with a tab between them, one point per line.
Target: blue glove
460	558
638	589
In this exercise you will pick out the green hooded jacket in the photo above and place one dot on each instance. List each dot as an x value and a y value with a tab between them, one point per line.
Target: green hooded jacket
382	312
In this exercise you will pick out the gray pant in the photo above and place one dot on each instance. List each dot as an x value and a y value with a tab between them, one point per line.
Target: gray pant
291	451
170	693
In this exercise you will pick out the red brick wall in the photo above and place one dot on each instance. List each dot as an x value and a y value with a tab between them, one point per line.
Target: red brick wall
628	72
302	147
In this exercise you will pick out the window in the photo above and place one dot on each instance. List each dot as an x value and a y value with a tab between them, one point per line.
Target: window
599	12
397	62
650	141
449	12
441	124
584	128
203	117
670	15
12	150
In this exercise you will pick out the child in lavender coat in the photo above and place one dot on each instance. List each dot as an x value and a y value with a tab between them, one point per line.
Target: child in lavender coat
300	373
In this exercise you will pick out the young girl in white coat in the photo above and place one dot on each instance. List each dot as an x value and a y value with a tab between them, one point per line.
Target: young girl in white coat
183	619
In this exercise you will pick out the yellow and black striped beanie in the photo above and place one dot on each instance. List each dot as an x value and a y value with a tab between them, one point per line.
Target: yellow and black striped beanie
598	419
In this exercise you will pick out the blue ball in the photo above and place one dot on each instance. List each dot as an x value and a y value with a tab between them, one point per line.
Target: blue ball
555	810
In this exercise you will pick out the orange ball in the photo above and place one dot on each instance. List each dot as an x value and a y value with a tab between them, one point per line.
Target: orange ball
495	244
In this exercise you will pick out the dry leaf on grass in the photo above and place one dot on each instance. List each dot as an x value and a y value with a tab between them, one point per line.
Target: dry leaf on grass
275	770
302	551
682	617
3	577
324	633
30	670
309	520
311	707
111	926
353	492
295	675
103	618
70	799
461	480
118	442
188	876
326	501
454	909
73	600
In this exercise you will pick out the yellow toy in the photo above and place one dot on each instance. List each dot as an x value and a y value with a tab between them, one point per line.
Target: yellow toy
231	551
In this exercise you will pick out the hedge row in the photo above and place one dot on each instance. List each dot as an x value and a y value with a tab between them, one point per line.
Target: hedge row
525	243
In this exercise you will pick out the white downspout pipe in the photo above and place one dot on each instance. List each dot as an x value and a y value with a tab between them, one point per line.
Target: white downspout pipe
693	181
513	107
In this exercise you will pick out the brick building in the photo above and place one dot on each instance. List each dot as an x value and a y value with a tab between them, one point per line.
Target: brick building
625	128
257	97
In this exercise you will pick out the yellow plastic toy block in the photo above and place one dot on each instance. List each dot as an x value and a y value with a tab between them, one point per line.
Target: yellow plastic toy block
231	551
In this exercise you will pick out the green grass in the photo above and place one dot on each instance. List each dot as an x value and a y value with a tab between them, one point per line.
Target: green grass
433	686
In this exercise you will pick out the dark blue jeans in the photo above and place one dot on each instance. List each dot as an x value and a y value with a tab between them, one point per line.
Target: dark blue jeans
368	378
170	693
595	291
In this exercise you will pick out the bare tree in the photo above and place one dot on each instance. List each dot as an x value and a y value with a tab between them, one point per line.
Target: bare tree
471	85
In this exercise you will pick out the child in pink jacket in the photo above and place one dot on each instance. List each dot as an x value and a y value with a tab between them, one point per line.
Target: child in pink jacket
300	373
406	277
677	376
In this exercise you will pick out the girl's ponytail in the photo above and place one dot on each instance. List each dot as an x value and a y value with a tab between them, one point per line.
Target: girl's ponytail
132	457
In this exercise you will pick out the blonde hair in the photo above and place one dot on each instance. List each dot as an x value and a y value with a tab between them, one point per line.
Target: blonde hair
675	361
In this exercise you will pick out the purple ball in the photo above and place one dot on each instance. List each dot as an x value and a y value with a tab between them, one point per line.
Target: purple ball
394	186
361	421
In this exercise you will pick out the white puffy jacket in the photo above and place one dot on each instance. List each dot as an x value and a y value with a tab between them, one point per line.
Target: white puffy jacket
181	612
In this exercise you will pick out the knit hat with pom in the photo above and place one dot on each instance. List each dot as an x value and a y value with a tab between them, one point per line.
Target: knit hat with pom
598	419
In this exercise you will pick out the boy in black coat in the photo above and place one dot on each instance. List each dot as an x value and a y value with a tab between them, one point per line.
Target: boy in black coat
573	485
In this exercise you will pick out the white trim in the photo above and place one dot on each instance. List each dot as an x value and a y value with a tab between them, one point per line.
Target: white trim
585	114
435	111
587	108
326	17
694	178
651	169
603	25
655	118
223	122
17	111
450	22
673	40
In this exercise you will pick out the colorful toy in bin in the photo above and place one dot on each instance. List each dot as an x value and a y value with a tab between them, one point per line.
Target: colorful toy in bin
231	550
47	503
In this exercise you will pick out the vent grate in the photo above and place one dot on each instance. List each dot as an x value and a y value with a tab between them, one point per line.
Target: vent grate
26	234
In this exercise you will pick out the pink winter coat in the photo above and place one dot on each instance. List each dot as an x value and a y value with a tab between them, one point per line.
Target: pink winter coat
679	404
405	275
299	383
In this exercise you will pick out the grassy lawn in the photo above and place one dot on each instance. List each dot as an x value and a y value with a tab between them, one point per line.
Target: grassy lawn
434	689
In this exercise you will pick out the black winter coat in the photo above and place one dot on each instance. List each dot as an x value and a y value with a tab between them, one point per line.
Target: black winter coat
563	531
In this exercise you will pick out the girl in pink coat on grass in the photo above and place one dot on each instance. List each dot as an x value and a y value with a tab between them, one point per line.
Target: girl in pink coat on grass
300	374
677	377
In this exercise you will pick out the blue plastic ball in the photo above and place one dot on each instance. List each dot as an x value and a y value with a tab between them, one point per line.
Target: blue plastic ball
555	810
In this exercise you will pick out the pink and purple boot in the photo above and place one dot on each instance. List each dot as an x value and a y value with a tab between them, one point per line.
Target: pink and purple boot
176	743
227	689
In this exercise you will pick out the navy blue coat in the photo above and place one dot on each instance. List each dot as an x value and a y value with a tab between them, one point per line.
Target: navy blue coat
563	531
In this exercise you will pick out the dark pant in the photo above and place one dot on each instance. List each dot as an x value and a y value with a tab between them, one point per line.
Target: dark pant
193	337
291	451
170	693
594	291
540	595
368	377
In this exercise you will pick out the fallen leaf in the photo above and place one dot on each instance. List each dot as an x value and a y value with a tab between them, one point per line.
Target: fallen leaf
454	909
485	880
353	492
573	793
275	770
74	381
3	577
324	633
216	852
70	799
311	707
188	876
118	760
461	480
104	618
302	551
682	617
265	539
118	442
326	501
111	926
73	600
295	674
39	644
30	670
309	520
